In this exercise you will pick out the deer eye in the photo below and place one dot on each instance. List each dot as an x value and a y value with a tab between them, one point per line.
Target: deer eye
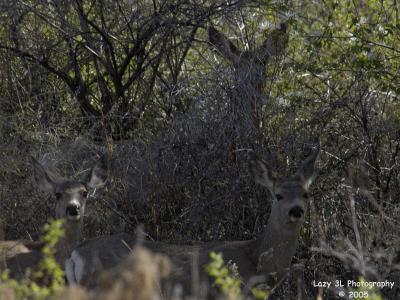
84	194
58	196
279	197
305	195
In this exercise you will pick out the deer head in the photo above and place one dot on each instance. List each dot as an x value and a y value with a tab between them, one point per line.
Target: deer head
69	196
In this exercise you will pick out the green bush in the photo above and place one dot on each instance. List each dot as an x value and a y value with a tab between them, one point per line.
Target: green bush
49	276
227	281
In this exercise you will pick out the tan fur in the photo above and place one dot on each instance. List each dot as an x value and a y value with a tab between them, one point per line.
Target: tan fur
9	249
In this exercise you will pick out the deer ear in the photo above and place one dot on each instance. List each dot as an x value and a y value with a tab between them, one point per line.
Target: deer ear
307	172
261	173
98	174
42	177
225	47
274	45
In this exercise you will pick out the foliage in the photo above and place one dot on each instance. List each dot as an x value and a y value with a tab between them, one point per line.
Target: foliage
227	281
141	80
48	278
371	292
223	278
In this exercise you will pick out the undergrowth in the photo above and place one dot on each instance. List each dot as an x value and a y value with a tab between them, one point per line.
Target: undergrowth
227	281
46	280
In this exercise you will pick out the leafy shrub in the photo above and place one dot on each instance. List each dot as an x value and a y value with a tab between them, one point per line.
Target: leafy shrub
227	279
47	279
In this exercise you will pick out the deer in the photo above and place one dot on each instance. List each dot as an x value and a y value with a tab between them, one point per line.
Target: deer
265	259
250	71
68	199
9	249
250	76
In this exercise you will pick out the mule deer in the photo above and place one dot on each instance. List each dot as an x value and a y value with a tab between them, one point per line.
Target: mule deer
268	256
250	71
69	201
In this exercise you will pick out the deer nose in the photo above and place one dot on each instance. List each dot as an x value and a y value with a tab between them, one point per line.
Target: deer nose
72	210
296	212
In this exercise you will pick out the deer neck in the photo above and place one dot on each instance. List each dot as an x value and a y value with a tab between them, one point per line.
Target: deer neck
71	238
276	246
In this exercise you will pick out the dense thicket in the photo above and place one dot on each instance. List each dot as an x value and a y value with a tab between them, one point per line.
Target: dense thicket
178	91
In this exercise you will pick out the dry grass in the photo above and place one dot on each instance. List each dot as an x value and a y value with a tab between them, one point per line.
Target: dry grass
138	277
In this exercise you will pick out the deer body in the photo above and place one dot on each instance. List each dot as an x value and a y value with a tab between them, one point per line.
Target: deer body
69	198
9	249
18	246
265	259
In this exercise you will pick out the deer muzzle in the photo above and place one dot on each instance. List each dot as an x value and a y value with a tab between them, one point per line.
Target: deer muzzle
296	213
73	212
